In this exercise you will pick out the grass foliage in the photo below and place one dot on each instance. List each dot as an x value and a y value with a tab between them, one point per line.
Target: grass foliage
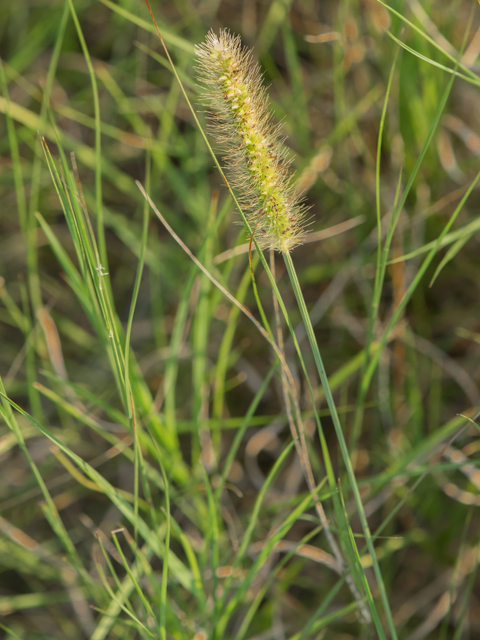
198	441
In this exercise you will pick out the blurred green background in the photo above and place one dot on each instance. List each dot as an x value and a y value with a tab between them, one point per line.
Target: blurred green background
327	65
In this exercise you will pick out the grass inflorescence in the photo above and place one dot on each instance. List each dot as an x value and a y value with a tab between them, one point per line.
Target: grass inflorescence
257	160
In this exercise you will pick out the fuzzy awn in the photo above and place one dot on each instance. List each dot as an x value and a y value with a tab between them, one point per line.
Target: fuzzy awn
241	120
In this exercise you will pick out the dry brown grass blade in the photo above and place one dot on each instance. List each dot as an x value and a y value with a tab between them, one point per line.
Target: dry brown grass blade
212	279
304	550
316	236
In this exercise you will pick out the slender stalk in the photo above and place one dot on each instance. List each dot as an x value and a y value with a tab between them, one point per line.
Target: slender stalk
98	141
379	273
298	436
341	439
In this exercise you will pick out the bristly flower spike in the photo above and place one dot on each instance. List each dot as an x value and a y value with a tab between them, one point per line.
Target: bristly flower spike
256	160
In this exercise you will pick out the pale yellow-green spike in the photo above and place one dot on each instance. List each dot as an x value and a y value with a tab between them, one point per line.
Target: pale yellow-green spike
256	160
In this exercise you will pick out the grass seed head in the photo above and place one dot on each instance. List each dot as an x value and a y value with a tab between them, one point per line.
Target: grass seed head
256	159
